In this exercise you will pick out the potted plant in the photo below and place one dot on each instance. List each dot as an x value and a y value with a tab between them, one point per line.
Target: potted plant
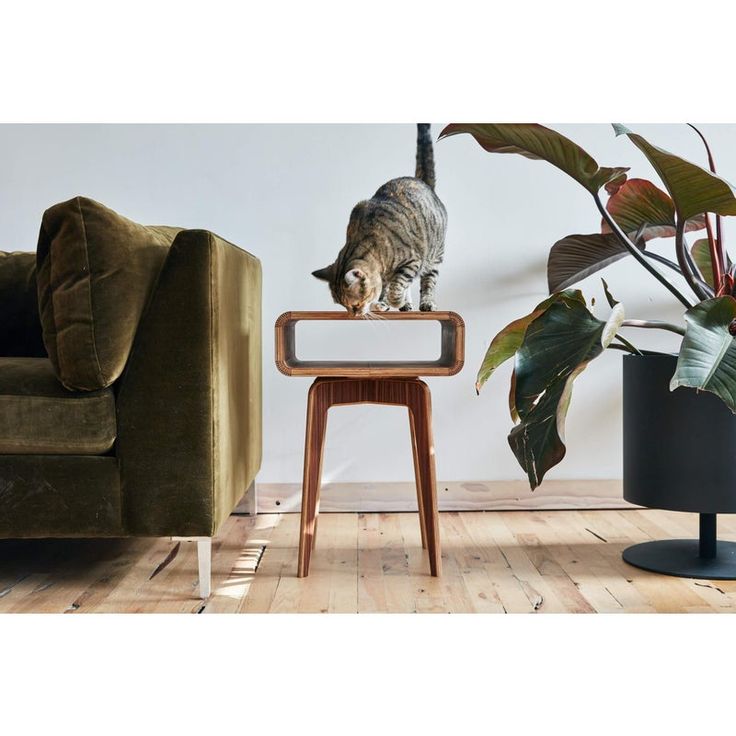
679	424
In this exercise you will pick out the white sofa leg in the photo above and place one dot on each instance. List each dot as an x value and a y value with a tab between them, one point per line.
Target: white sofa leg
251	499
204	560
249	503
204	557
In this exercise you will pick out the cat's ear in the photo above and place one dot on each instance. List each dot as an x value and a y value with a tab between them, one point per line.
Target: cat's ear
324	274
353	275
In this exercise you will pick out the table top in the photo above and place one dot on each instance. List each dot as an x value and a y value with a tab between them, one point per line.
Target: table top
450	362
343	315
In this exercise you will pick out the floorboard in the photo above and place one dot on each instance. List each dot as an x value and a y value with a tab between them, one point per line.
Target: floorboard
493	562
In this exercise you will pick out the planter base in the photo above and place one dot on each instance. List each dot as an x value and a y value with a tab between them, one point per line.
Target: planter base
681	558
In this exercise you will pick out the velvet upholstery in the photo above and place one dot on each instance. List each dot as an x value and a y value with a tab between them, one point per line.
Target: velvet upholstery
20	327
59	496
189	431
38	416
96	271
188	402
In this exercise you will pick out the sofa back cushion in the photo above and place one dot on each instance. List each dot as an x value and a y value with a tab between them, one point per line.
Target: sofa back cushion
20	327
96	271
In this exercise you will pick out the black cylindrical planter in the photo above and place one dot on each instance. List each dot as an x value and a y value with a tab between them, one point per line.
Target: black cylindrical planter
679	455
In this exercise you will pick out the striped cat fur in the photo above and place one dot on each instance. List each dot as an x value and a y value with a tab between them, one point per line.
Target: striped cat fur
393	238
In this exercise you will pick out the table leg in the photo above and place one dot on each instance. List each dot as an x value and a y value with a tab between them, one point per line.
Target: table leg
313	451
417	480
419	400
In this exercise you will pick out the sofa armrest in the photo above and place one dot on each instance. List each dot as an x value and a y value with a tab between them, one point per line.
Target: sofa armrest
189	400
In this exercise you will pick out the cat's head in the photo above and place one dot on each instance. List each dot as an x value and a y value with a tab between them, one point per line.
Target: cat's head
355	288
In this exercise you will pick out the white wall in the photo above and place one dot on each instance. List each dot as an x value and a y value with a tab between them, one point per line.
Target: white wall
284	192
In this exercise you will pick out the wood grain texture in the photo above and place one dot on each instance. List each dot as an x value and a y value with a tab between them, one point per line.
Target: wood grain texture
492	495
450	362
493	562
409	392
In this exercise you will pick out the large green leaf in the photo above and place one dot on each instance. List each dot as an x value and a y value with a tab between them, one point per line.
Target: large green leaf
700	251
577	256
708	352
536	441
537	142
639	207
693	189
557	346
505	344
642	210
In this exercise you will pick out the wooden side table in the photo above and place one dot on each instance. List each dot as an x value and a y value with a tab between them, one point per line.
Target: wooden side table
394	383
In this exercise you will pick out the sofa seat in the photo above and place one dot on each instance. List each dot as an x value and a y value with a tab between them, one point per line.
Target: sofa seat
38	416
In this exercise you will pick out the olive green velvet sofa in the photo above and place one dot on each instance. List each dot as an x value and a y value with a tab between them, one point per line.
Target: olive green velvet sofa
130	380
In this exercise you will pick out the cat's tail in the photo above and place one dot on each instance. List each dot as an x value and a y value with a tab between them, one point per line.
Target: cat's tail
425	155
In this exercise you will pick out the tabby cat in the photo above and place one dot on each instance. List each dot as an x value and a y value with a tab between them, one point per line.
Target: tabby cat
392	238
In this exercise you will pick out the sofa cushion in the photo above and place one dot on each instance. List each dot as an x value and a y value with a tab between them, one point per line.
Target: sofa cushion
20	327
39	416
96	272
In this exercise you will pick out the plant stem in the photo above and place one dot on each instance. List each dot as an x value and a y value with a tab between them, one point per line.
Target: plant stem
667	262
664	261
636	252
631	348
714	256
623	348
683	259
711	162
614	346
653	324
712	167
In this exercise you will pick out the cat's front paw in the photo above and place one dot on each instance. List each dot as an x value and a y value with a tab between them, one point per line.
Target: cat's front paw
427	307
406	307
379	307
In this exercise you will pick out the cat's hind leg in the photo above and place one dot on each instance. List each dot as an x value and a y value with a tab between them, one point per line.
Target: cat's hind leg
427	285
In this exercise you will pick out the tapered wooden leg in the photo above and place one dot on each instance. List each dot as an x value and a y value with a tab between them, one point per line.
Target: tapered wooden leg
420	405
417	481
409	392
313	452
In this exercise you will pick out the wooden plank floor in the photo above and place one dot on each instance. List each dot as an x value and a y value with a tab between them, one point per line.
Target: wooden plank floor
494	562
